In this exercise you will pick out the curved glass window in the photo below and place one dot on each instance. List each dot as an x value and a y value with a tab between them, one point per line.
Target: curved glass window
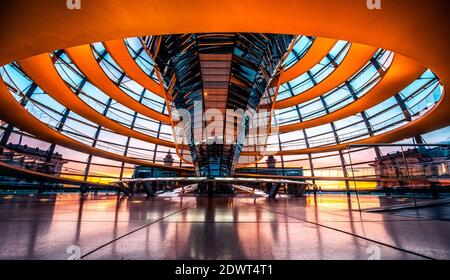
358	85
137	51
316	74
299	50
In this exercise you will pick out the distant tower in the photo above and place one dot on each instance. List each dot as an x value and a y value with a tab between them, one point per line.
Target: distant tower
168	160
271	162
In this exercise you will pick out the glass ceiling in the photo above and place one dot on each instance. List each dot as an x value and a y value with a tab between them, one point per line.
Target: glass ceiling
406	106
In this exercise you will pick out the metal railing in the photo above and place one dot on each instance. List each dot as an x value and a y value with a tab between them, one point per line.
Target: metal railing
410	168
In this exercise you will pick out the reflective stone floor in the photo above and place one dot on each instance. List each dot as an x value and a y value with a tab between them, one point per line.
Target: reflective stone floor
328	227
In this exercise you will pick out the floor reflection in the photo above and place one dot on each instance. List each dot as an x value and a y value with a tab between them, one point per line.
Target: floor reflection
321	227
